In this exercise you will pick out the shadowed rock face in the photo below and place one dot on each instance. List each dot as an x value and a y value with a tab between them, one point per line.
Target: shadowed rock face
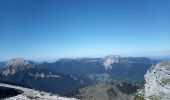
8	92
25	73
12	92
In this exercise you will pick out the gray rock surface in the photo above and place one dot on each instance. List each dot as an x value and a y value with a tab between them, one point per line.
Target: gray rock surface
157	86
15	65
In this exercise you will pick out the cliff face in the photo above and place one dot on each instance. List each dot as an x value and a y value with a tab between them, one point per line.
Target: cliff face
157	86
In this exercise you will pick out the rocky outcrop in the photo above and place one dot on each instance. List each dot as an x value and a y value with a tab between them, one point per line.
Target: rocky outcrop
11	92
16	65
157	86
108	60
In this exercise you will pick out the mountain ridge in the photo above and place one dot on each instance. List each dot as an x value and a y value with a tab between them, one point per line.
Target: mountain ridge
26	74
107	90
118	68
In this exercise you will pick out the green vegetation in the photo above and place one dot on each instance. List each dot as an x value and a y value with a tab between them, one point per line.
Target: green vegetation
165	63
156	98
128	88
99	77
138	97
167	81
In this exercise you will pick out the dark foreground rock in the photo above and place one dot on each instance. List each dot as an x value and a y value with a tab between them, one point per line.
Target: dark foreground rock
8	92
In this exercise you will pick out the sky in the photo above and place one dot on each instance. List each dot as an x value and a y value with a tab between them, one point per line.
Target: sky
49	29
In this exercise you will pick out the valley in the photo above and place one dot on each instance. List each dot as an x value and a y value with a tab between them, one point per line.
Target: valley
108	78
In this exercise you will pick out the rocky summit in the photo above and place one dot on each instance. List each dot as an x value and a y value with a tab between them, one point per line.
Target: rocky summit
157	86
22	72
110	59
15	65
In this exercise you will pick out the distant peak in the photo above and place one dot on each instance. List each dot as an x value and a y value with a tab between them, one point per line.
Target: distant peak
110	59
112	56
16	64
17	61
18	58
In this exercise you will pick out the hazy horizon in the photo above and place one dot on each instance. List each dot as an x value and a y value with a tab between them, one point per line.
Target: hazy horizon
161	56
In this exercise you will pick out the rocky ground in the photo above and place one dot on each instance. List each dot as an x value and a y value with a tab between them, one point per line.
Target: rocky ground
157	86
19	93
107	90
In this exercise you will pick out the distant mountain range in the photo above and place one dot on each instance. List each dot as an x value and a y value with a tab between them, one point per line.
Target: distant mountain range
24	73
67	75
2	64
110	67
108	78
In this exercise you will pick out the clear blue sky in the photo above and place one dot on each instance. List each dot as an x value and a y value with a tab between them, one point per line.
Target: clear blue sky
43	29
